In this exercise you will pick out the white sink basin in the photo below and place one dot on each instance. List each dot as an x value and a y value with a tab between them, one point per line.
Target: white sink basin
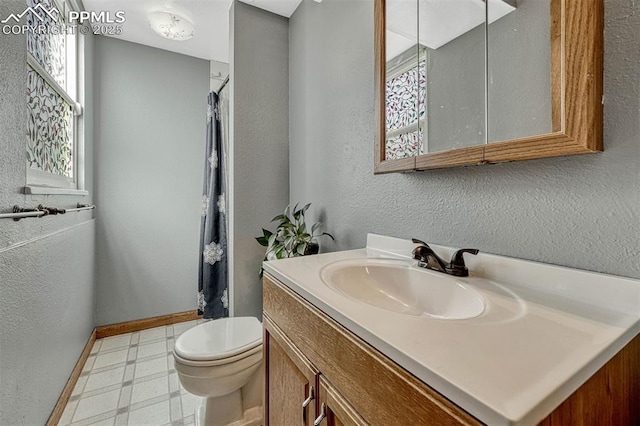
397	286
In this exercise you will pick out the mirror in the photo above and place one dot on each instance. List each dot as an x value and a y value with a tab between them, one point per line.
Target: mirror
519	67
454	39
468	82
404	99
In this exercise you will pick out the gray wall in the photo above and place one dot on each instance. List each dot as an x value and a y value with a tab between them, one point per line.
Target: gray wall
580	211
46	265
150	127
259	93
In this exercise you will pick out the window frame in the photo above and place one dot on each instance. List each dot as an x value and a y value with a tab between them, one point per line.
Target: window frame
41	182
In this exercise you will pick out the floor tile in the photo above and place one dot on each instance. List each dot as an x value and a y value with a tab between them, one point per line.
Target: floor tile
122	419
125	397
130	380
129	372
110	358
67	414
152	334
149	389
92	406
147	368
88	365
175	404
104	379
107	422
115	342
135	338
96	346
190	403
133	353
152	349
79	387
154	415
174	382
180	328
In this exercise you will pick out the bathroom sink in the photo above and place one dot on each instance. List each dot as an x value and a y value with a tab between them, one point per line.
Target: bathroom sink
399	286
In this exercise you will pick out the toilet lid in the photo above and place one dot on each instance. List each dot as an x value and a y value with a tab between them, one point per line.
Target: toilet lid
221	338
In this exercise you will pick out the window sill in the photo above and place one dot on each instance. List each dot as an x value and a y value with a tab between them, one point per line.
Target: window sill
45	190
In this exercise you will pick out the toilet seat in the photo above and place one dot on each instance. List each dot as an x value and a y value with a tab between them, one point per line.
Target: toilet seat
221	361
219	341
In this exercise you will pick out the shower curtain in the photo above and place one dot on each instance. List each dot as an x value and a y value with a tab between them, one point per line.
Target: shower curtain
213	296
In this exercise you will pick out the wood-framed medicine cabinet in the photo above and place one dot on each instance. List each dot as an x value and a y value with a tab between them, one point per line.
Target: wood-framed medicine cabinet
524	83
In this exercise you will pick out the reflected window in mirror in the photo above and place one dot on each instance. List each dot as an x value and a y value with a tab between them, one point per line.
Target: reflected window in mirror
405	104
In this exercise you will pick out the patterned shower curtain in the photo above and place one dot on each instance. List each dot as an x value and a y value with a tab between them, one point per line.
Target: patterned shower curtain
213	300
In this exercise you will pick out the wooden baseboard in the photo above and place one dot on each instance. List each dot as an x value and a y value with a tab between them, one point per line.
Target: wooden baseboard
143	324
56	414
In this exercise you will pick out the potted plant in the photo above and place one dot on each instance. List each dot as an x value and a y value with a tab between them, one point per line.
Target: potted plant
291	238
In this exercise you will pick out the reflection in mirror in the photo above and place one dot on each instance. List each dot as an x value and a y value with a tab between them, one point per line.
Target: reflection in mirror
435	74
520	75
403	118
454	35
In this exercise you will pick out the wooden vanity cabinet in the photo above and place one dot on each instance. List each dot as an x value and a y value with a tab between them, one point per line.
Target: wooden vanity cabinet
291	379
354	384
357	384
336	410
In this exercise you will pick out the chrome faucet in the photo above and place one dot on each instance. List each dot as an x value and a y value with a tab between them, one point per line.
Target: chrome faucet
427	258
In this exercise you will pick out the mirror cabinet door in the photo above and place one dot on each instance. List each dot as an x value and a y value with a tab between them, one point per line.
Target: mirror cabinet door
452	43
524	89
402	81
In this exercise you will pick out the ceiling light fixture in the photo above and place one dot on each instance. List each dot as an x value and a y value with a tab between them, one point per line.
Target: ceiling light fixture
170	25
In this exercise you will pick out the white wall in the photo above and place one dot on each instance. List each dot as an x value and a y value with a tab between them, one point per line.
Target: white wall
150	127
259	94
579	211
46	265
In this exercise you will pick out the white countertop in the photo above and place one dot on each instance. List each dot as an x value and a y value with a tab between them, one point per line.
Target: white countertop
545	330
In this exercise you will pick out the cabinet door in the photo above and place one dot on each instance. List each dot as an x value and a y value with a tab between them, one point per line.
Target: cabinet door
333	409
290	382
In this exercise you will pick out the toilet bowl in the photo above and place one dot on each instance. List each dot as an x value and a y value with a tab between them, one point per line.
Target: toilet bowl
221	360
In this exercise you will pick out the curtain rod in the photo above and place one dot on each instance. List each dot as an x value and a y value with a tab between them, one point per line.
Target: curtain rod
21	213
224	83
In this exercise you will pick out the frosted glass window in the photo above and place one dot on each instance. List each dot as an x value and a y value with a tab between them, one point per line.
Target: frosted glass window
405	112
52	99
48	47
50	128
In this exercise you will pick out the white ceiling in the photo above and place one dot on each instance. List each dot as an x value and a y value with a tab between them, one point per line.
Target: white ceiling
211	19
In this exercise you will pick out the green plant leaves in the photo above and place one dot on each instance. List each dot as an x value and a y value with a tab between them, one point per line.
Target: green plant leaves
264	240
291	237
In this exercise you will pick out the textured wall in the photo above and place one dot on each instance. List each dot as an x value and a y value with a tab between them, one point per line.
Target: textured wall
46	265
259	94
46	306
150	127
580	211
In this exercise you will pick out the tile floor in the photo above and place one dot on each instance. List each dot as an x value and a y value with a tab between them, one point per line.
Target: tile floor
130	379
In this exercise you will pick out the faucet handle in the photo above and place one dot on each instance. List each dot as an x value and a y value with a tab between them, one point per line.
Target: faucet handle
457	266
416	241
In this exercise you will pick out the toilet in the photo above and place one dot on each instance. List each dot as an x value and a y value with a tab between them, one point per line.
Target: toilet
221	360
